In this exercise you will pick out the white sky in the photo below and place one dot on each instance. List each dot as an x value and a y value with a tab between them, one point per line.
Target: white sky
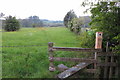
45	9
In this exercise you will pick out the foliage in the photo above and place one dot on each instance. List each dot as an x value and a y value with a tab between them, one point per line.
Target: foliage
2	14
86	20
68	17
51	23
87	39
36	22
75	25
32	21
11	24
105	18
117	46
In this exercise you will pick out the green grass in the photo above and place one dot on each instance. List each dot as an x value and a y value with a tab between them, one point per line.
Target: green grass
32	62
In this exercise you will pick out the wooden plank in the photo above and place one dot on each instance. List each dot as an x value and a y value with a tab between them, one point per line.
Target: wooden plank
74	59
72	70
62	67
107	64
76	49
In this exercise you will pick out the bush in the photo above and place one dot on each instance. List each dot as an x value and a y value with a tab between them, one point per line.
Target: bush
116	47
11	24
87	39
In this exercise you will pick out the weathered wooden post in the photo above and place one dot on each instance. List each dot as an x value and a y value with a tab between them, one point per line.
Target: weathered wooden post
51	55
106	60
111	68
113	59
116	69
98	45
98	42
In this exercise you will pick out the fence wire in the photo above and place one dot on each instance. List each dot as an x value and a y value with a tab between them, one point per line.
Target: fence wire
42	44
23	46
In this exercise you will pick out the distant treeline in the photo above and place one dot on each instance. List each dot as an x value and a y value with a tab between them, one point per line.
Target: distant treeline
34	21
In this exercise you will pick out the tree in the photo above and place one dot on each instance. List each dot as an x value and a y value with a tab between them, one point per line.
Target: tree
35	21
106	18
25	23
32	21
1	20
76	24
1	15
68	17
11	24
87	20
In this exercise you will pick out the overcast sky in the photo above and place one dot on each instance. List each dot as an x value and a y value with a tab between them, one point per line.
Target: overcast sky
45	9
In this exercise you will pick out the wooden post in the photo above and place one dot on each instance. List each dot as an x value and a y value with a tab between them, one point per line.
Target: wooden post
116	72
50	53
111	68
106	60
98	45
107	49
116	68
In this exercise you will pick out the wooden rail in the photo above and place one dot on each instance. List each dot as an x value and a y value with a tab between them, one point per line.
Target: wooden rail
108	54
76	49
73	59
108	64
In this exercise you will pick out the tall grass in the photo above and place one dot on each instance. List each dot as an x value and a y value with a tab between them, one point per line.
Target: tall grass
32	62
0	54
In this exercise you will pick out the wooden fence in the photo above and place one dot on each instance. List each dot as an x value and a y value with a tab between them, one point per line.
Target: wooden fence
104	62
108	62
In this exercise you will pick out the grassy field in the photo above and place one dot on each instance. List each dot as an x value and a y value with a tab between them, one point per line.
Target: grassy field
32	61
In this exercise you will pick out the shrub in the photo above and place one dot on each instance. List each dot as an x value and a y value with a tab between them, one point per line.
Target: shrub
11	24
68	17
87	39
117	45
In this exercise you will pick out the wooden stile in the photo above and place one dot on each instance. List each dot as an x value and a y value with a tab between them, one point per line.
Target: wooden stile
98	60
